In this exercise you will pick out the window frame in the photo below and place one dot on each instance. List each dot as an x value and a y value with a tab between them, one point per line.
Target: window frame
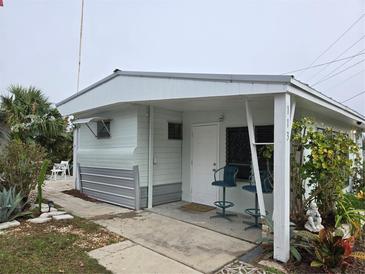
103	125
180	133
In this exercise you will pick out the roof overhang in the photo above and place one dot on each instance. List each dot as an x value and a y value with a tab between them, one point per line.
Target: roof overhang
135	87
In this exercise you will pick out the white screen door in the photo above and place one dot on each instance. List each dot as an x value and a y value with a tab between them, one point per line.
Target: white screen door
205	145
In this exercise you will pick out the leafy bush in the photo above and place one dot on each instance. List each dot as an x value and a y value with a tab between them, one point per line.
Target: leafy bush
332	251
20	165
10	204
326	169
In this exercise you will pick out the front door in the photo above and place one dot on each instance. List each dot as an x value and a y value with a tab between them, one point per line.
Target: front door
205	146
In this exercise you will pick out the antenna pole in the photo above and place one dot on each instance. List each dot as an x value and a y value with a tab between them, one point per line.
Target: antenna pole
80	43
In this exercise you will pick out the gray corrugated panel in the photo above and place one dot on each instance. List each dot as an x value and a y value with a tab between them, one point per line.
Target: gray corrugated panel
108	171
109	181
162	194
109	188
125	202
115	186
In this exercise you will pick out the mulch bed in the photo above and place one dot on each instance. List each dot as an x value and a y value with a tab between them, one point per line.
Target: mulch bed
78	194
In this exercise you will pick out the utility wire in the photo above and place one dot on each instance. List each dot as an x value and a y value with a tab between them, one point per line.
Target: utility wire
347	79
341	71
356	95
338	56
338	67
338	39
323	64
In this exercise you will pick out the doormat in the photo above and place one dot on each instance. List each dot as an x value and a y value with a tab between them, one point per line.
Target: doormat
194	207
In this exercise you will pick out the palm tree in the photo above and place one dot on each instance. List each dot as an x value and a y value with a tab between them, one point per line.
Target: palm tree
29	114
32	118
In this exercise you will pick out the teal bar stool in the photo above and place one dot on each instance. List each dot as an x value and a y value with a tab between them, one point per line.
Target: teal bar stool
229	180
267	187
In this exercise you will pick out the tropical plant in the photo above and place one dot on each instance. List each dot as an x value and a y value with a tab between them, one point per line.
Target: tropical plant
32	119
326	169
40	182
348	212
332	251
20	165
300	241
10	204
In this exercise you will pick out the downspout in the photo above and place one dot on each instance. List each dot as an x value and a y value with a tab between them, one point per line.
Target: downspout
150	157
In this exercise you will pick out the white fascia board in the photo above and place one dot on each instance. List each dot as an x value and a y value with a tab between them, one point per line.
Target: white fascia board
306	92
131	89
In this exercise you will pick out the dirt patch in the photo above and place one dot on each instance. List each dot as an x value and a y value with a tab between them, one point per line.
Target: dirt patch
78	194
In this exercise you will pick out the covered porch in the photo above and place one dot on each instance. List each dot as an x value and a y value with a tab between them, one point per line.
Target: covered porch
216	132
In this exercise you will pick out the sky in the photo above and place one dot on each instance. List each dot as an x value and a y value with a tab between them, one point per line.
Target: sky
39	41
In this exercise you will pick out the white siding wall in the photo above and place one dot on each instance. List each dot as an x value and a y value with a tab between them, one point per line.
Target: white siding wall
116	151
167	153
263	115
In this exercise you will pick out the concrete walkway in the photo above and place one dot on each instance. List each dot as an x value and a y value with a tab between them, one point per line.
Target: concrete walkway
196	247
157	244
128	257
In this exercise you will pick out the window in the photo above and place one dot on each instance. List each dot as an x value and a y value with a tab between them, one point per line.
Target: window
103	129
238	152
175	131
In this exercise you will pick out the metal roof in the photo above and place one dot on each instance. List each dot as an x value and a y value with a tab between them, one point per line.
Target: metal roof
254	78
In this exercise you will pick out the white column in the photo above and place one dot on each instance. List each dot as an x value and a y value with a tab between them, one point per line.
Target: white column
255	162
282	128
75	157
150	157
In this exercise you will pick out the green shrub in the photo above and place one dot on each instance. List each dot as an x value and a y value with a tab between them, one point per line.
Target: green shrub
20	165
10	205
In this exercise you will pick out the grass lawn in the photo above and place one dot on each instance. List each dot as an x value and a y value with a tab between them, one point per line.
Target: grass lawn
53	247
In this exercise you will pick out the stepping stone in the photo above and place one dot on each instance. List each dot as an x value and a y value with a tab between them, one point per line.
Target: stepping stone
45	209
62	217
9	224
51	214
39	220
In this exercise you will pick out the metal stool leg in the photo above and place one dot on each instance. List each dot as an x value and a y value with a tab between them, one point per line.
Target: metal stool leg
256	215
224	214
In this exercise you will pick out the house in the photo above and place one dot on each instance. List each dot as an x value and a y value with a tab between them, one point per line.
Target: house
146	138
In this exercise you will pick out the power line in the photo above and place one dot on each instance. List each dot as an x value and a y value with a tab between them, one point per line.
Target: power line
356	95
338	39
323	64
338	67
338	56
348	78
333	75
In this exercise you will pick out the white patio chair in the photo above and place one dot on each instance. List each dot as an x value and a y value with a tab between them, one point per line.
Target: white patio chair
58	168
67	165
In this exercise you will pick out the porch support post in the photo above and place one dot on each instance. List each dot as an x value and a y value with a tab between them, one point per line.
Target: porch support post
282	127
255	162
75	171
150	157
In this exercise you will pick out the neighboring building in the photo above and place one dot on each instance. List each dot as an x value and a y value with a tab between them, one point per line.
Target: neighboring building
138	131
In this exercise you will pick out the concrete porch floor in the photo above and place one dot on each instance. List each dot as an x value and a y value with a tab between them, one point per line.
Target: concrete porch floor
235	228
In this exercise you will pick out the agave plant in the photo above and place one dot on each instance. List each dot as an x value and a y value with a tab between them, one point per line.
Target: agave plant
10	205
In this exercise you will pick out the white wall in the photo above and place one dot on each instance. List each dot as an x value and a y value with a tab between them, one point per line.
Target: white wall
116	151
263	115
167	153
